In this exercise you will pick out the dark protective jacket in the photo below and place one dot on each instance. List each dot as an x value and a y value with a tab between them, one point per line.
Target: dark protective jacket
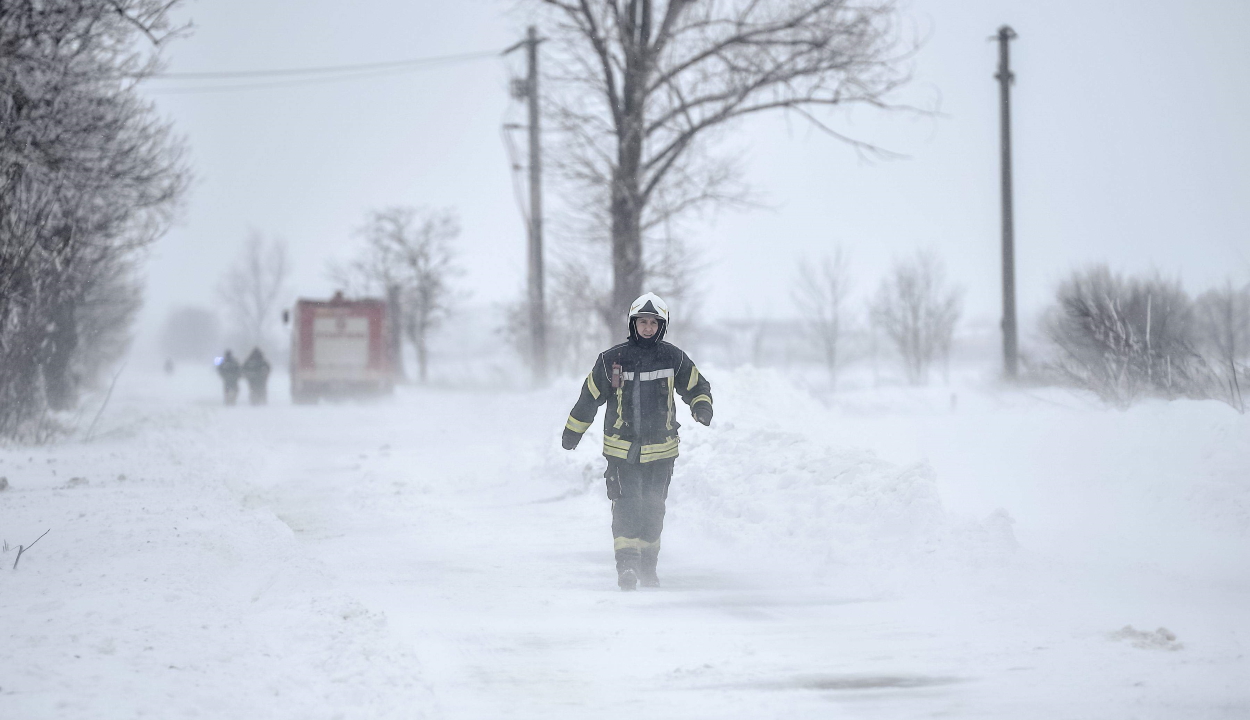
256	367
640	424
228	369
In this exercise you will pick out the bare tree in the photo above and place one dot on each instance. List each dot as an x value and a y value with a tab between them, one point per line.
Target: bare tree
820	294
918	311
408	249
88	175
254	287
576	306
641	86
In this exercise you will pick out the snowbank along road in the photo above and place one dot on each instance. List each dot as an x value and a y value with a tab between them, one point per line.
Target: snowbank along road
437	555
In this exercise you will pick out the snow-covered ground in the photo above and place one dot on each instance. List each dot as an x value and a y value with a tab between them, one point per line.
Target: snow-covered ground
896	553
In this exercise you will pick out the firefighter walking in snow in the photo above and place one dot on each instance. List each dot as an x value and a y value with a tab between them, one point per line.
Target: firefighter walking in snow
228	369
637	380
256	371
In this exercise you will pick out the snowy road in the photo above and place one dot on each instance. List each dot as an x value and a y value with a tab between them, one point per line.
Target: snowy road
436	556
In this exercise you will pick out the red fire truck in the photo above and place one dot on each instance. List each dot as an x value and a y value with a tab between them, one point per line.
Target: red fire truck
340	348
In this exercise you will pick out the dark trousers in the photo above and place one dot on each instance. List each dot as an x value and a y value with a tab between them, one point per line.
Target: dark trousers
638	493
257	391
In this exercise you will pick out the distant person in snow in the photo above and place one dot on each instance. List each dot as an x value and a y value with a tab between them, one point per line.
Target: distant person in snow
256	370
228	369
637	380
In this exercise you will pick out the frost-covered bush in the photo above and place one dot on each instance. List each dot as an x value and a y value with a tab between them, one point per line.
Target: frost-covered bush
1126	337
1223	327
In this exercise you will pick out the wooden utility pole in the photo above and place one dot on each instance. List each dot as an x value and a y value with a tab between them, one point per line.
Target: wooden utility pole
528	90
538	313
1005	79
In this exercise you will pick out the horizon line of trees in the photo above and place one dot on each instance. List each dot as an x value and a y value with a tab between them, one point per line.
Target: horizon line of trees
1122	336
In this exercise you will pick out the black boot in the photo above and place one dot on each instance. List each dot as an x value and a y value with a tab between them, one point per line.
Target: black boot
646	574
628	562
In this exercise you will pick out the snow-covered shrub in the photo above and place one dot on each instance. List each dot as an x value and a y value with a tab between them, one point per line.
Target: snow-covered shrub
1126	337
1223	328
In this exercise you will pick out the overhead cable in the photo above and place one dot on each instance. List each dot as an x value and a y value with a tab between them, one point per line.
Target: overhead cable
309	75
325	69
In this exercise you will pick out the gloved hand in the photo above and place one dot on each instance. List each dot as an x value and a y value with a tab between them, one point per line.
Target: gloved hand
702	413
570	439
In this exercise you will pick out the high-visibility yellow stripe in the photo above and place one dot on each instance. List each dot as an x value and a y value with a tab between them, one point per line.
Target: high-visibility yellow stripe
590	385
618	448
619	444
659	451
660	456
620	409
576	425
668	420
703	398
622	543
694	378
615	447
658	447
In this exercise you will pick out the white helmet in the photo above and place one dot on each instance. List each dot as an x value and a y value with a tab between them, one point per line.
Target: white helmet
649	304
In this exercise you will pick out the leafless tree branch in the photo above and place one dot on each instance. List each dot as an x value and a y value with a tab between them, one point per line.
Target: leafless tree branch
639	86
820	293
918	311
409	250
23	548
253	287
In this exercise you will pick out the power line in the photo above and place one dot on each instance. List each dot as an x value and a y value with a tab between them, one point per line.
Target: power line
312	75
195	89
324	69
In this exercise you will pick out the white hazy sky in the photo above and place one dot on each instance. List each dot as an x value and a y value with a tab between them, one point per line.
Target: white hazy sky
1130	128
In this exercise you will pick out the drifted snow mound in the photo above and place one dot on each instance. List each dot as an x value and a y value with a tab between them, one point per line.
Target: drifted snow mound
1161	639
767	488
771	473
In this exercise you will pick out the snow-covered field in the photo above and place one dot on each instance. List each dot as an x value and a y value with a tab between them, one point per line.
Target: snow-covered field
896	553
